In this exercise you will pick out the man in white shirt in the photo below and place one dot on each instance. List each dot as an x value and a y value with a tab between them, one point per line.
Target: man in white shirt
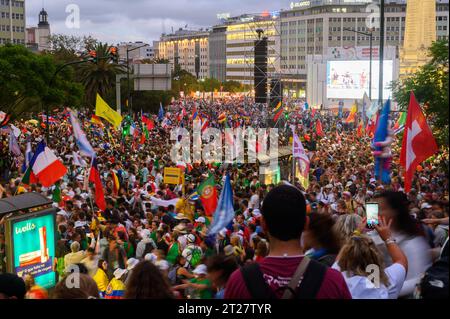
254	199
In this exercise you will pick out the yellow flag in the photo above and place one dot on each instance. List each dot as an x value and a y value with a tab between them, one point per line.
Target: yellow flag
103	110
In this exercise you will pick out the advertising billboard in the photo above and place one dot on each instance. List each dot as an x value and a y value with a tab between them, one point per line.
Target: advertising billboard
350	79
33	247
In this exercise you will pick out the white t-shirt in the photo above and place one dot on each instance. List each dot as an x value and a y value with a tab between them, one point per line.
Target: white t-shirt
254	202
362	288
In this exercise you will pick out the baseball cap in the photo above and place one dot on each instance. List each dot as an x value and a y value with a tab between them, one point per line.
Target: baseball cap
425	206
190	238
200	270
201	219
131	263
118	273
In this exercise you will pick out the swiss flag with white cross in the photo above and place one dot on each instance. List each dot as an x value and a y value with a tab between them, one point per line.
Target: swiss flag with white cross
418	141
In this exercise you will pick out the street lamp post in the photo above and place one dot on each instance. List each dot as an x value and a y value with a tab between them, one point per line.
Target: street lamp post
130	104
369	34
381	53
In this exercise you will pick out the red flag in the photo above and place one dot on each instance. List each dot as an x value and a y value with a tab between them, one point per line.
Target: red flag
359	131
319	129
94	177
418	141
148	122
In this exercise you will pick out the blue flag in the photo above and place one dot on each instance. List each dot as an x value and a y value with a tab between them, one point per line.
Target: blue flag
224	211
161	112
382	165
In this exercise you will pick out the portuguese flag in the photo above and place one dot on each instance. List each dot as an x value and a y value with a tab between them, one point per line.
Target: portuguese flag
208	195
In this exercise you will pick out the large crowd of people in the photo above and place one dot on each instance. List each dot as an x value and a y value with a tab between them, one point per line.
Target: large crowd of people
281	235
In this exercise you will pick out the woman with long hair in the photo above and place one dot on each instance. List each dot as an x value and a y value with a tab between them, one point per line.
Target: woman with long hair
364	270
146	282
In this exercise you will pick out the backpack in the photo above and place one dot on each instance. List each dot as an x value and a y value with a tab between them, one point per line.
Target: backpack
305	283
434	283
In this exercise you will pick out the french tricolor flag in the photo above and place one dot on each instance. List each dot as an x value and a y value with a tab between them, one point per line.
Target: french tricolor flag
45	168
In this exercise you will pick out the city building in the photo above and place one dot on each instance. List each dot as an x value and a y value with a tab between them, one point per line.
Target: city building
420	32
137	51
12	21
217	53
314	27
189	49
241	34
38	37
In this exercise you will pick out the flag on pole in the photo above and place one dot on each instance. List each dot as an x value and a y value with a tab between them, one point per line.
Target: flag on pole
96	120
56	194
194	113
78	160
224	213
319	129
382	165
418	141
366	103
116	183
208	195
14	147
80	138
360	129
94	177
400	121
351	116
277	111
148	122
222	118
103	110
44	167
161	112
298	152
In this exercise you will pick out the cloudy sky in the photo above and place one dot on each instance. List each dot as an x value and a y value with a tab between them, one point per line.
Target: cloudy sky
141	20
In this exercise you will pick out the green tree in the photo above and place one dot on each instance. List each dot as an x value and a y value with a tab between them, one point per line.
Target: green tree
430	86
25	82
99	77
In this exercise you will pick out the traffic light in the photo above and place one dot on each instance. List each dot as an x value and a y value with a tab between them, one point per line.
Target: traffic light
93	56
114	54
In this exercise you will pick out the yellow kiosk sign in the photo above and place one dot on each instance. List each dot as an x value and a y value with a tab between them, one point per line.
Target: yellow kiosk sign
172	175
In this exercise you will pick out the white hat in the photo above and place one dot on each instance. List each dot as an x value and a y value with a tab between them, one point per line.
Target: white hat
373	180
79	224
145	233
223	233
349	183
118	273
131	263
425	206
200	270
150	257
329	186
190	238
201	219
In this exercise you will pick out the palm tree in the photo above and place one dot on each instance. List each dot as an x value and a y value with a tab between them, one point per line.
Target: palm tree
99	77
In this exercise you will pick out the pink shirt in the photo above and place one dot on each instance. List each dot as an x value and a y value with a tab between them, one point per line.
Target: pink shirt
278	271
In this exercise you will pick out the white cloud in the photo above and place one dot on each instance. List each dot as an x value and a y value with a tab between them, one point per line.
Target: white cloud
142	20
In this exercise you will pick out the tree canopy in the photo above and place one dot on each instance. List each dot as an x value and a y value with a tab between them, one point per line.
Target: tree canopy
430	86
